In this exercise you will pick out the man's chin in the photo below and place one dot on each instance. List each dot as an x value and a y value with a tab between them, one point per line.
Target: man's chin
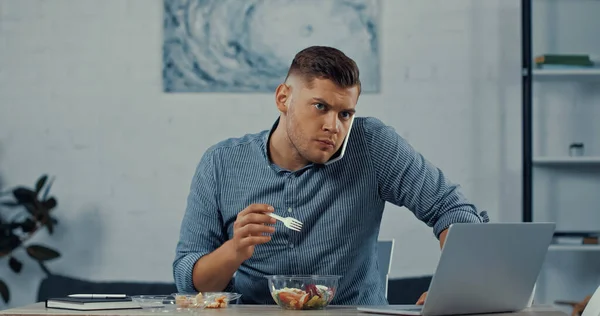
321	159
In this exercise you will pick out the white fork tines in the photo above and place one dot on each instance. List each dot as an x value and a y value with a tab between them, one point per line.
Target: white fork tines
289	222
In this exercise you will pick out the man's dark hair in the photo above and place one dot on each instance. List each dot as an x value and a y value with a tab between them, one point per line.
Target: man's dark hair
324	62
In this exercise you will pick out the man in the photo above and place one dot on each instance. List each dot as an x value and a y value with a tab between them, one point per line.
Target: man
296	169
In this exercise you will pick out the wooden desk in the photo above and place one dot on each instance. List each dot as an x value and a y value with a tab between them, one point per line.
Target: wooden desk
38	309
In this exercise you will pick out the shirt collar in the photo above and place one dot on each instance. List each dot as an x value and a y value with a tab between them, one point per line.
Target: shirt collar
265	140
265	150
265	145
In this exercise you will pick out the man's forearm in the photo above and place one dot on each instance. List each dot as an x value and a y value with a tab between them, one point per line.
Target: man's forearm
213	272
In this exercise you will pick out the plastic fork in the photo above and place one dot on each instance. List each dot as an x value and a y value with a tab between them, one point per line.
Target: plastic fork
289	222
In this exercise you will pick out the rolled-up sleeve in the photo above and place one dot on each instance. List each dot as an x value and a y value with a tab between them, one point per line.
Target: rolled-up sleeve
407	179
202	229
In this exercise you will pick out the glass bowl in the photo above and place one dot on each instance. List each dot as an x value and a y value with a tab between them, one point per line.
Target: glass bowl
303	292
205	299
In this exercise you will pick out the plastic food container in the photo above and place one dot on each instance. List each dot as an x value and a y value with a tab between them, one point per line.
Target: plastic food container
156	303
205	299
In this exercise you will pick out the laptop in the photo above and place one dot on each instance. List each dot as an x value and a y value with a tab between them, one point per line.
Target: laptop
483	268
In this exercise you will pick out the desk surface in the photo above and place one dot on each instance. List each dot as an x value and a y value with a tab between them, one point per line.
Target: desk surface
39	309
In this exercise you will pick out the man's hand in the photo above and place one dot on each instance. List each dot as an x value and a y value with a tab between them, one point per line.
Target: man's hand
213	271
249	229
442	238
421	299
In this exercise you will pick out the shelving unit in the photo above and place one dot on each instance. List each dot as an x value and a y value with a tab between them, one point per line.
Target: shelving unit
566	161
574	248
561	106
566	74
566	110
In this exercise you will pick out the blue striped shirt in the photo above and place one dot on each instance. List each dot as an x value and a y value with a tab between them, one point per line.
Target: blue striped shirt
340	204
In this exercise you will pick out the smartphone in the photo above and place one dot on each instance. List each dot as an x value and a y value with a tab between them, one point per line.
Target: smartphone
340	153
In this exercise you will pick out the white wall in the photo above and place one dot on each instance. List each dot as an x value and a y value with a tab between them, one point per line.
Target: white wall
80	98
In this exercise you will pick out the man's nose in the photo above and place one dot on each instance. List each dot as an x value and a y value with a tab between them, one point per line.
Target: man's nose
331	123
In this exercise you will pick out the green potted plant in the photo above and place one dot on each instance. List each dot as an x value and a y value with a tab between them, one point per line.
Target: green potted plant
25	211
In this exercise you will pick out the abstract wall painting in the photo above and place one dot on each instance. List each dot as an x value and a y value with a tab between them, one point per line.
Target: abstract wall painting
248	45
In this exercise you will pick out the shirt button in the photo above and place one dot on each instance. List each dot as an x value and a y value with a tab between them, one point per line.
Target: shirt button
291	245
290	209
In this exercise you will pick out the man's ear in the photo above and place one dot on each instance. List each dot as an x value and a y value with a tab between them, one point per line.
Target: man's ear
283	94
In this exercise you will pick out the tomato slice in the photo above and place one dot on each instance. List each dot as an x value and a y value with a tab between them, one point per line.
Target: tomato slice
289	299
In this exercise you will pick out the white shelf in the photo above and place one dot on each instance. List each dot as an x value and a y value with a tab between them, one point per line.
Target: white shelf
574	248
592	74
566	161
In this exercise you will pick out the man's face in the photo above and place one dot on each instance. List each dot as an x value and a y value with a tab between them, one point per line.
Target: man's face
317	117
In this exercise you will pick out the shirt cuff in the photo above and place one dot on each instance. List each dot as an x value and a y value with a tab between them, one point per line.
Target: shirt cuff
460	216
184	272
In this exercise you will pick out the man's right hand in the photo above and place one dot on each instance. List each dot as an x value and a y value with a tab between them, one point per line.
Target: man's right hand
249	230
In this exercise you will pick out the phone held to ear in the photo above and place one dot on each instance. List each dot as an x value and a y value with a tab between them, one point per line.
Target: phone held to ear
342	151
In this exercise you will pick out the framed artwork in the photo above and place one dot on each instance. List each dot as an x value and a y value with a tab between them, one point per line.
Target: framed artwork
248	45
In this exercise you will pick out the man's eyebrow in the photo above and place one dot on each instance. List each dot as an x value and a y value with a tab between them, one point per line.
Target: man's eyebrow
322	101
329	105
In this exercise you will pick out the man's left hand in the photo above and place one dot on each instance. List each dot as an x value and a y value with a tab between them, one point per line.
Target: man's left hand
421	299
442	239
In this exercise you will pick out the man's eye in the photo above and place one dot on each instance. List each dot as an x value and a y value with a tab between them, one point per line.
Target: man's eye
345	115
319	106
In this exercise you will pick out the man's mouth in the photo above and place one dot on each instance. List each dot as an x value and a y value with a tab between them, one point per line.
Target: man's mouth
326	142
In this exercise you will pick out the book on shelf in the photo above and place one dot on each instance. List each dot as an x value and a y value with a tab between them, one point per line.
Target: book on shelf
87	304
573	60
564	67
567	238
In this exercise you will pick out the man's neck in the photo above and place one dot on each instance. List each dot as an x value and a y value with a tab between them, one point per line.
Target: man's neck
282	151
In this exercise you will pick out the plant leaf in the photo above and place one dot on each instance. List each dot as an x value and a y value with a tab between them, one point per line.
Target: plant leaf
9	243
43	217
15	264
42	253
28	225
10	204
4	291
30	208
24	195
50	203
48	188
40	183
49	225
